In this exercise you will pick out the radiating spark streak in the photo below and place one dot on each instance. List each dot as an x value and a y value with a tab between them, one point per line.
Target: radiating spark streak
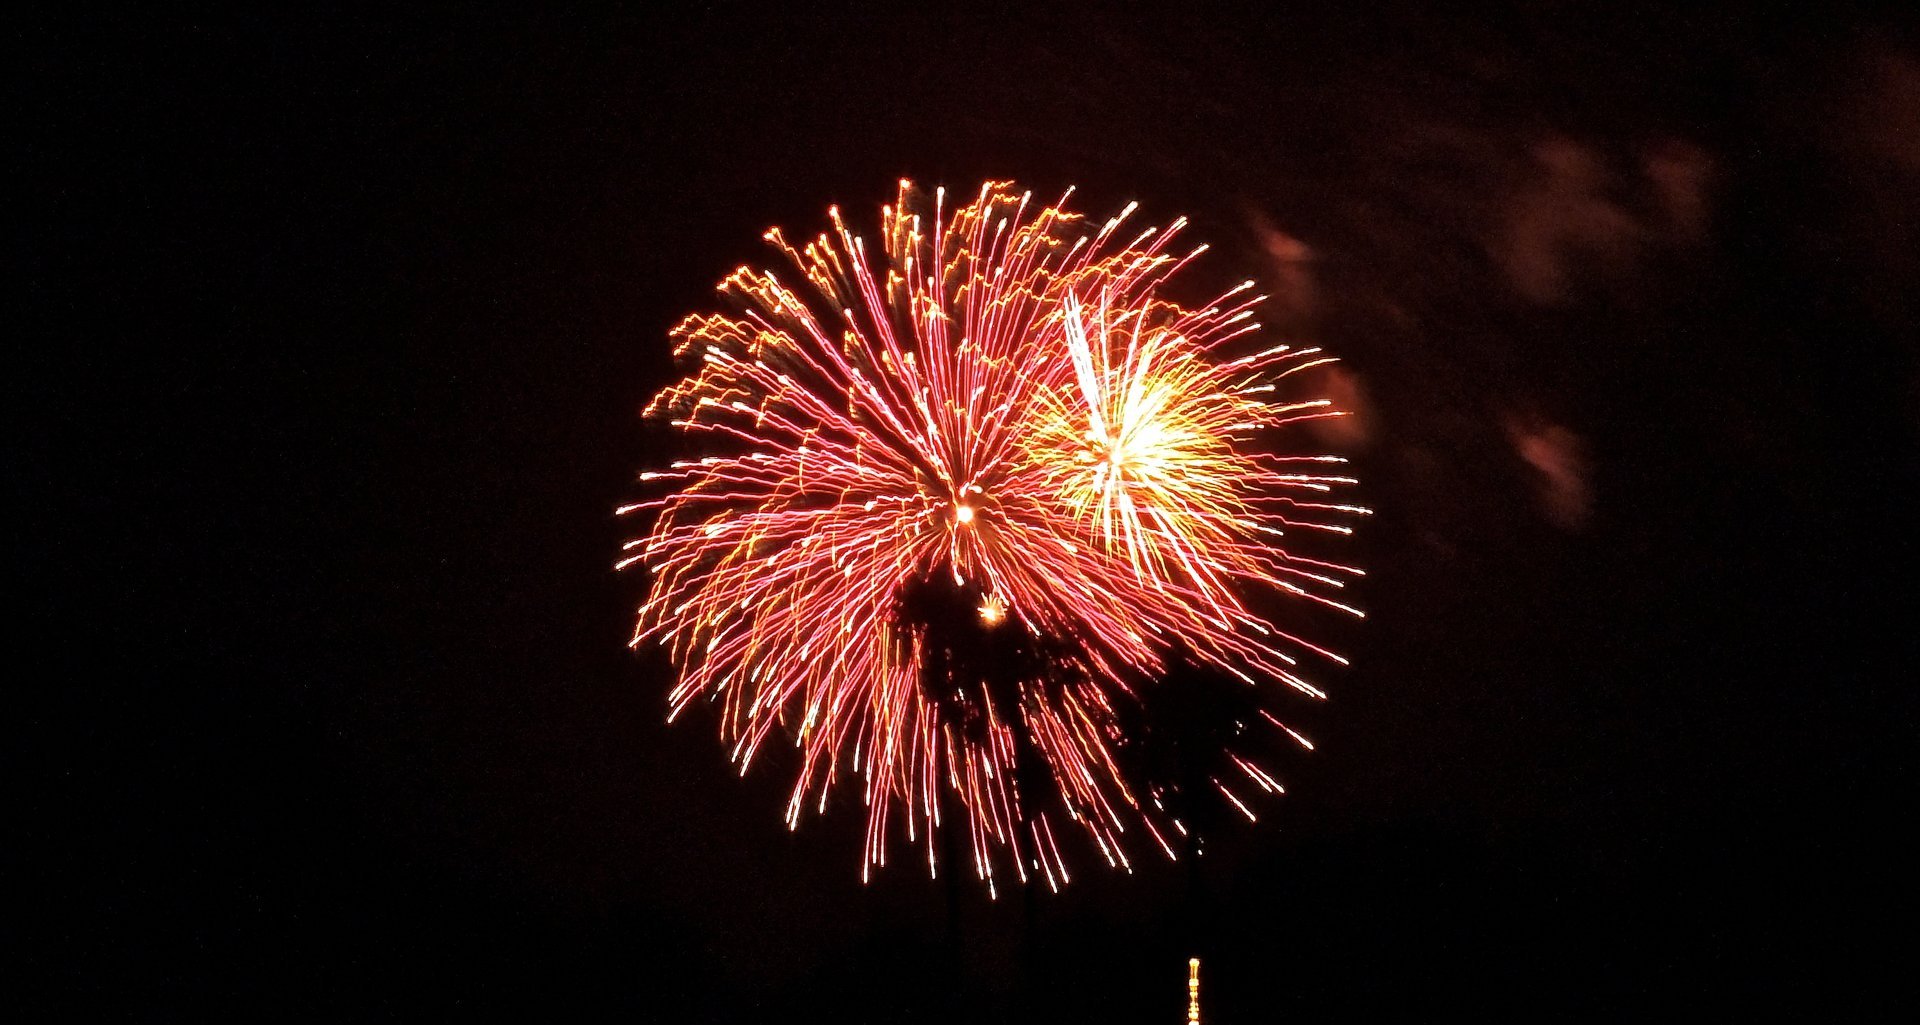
1000	395
1290	731
1258	775
1235	801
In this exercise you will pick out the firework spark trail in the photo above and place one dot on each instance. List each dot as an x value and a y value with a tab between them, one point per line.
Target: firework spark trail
1013	406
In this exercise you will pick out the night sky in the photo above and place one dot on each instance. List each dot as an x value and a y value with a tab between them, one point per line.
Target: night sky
335	339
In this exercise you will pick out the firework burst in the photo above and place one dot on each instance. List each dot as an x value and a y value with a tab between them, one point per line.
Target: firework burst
954	506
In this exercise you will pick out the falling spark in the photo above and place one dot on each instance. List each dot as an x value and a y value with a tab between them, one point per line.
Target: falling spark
1006	408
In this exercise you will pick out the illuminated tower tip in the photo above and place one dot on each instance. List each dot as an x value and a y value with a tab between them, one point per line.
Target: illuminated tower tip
1193	991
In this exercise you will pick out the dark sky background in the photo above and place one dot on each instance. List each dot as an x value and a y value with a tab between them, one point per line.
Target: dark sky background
337	329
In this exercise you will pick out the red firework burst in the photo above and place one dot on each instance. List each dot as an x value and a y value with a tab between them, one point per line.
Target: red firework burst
956	504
